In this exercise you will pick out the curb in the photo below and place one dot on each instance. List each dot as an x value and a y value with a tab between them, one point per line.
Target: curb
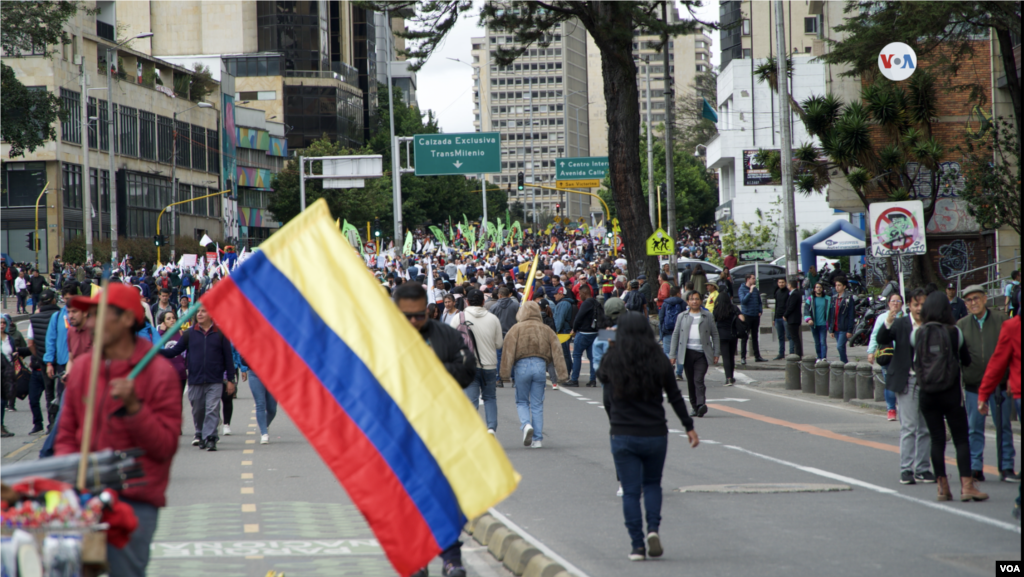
515	553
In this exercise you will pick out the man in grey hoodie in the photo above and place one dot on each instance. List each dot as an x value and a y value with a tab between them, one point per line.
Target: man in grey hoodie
487	339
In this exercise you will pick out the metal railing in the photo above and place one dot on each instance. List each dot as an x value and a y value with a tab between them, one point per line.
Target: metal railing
992	273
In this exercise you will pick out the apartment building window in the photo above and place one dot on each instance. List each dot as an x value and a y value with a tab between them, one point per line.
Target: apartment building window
146	195
72	185
213	206
147	135
22	182
746	27
184	193
129	131
747	53
811	25
164	134
198	142
101	204
212	152
91	111
181	135
104	128
116	145
71	129
256	95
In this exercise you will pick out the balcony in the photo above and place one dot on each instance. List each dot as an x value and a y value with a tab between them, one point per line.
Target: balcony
104	30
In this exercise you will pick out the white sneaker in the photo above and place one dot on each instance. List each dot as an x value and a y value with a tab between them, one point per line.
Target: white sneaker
536	445
654	545
227	429
619	492
195	441
490	432
528	435
554	386
264	439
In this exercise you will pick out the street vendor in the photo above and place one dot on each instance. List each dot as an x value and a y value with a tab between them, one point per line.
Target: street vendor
143	413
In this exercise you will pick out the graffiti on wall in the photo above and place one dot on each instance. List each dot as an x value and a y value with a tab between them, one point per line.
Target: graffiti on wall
877	268
955	258
951	216
951	180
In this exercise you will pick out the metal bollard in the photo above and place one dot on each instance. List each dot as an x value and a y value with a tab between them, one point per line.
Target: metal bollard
879	375
850	382
821	378
835	380
864	381
807	375
792	373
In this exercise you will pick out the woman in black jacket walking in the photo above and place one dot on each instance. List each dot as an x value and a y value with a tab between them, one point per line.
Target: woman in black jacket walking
727	318
635	374
942	398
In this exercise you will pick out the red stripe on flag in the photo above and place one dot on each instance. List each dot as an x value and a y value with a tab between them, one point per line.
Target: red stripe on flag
397	523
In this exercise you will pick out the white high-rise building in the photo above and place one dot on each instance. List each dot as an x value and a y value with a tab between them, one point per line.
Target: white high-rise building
539	105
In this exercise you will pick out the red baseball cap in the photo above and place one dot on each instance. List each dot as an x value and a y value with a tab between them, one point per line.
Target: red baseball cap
121	296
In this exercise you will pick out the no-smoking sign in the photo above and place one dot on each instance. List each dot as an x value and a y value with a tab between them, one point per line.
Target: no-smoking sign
897	228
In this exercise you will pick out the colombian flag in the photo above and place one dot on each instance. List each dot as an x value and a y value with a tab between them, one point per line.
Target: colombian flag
363	387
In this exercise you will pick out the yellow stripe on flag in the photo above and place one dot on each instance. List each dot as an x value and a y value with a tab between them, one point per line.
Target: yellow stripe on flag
320	263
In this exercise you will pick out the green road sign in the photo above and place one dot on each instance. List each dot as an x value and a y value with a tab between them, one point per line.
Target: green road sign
762	254
583	168
468	153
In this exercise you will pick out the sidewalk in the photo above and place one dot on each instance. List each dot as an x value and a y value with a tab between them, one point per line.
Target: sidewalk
9	306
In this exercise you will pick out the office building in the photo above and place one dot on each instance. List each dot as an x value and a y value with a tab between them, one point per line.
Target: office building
149	93
539	105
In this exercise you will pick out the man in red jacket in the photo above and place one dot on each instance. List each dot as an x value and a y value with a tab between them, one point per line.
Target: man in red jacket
1006	357
144	413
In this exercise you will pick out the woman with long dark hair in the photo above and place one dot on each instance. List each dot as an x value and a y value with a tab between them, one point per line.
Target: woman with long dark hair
938	344
635	373
727	319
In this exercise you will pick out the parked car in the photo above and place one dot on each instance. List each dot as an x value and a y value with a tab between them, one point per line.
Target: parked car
767	276
712	270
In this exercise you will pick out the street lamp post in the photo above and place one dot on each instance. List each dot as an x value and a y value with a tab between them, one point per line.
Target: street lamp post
111	66
650	144
161	215
174	168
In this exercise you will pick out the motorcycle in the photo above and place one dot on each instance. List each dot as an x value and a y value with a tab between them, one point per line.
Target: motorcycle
865	313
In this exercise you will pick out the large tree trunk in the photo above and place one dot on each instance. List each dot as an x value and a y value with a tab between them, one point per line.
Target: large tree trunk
614	31
1012	81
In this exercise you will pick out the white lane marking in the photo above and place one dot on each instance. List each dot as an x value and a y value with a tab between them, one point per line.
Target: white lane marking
884	490
726	400
582	398
675	431
593	403
570	393
537	543
600	406
738	376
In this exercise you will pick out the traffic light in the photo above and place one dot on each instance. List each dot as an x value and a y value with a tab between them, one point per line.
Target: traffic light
520	181
160	240
32	242
376	228
558	208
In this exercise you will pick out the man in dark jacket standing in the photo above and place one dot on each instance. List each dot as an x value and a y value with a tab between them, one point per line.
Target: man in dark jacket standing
794	317
750	315
915	440
955	302
841	318
38	324
781	296
451	350
209	360
565	313
36	283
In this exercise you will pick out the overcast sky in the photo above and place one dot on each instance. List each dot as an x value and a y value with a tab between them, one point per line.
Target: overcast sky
445	86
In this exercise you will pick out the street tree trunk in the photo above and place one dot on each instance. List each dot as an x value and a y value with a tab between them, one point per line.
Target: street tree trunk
612	27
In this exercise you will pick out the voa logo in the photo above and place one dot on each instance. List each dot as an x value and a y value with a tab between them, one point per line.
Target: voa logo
897	61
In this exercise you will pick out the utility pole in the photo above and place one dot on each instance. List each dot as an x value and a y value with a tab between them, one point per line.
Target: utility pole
650	145
111	67
533	164
788	206
483	185
87	200
669	171
396	161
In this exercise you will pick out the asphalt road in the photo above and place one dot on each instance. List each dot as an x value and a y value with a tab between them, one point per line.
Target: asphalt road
754	435
251	508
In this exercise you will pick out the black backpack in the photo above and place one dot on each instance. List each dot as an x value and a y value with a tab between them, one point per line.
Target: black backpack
935	360
634	301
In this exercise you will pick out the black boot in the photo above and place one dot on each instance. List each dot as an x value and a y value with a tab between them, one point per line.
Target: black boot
211	443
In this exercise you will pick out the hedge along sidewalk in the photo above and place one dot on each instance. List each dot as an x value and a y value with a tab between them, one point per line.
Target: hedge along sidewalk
517	554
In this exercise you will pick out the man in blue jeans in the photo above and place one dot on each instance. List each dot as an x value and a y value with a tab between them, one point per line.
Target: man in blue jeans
841	316
781	296
485	329
980	329
588	321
